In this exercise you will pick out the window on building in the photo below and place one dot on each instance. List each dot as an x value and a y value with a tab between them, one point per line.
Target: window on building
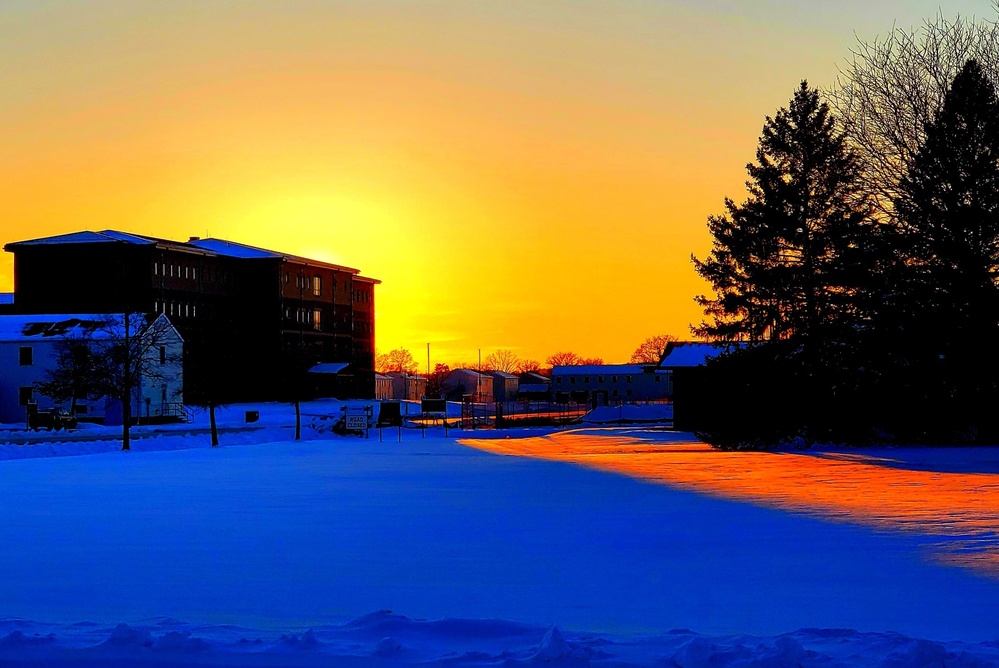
558	381
25	356
286	277
24	395
613	379
163	393
162	354
628	378
586	379
317	319
600	379
629	392
156	268
657	378
572	380
317	285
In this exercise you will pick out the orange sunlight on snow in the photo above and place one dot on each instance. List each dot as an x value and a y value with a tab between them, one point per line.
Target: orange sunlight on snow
848	487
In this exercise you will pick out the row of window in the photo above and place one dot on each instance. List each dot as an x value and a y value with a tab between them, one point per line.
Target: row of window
304	316
600	379
189	272
178	309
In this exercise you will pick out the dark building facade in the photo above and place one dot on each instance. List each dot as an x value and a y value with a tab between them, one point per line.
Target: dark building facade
253	320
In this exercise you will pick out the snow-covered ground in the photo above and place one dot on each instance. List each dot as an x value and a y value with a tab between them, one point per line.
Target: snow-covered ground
268	551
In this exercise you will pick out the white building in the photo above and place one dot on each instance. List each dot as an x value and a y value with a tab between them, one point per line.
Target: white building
29	347
682	354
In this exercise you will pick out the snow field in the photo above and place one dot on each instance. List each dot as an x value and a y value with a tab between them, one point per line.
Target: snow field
266	540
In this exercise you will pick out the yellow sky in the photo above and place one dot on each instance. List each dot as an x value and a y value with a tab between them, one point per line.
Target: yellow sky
530	174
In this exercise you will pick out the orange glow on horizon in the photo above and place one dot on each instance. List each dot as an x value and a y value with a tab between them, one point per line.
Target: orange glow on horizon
841	487
521	175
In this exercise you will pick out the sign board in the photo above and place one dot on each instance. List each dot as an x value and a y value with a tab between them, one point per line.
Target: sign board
390	414
433	406
357	418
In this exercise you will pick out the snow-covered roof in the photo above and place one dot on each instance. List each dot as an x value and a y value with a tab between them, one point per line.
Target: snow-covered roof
104	236
329	367
402	374
504	375
27	328
379	376
238	250
572	370
693	353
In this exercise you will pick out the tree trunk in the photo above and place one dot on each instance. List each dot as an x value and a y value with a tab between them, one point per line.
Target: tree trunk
126	420
215	429
298	421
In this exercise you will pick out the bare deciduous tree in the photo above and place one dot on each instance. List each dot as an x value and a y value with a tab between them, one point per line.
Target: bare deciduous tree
501	360
564	359
894	85
528	366
400	360
651	350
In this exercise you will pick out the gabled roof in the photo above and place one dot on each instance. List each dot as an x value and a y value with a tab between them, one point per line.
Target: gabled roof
694	353
503	374
45	327
402	374
105	236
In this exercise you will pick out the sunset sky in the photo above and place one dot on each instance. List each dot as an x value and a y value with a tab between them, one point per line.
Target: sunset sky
523	174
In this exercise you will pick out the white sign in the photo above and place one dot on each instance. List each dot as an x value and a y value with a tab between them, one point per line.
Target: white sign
357	421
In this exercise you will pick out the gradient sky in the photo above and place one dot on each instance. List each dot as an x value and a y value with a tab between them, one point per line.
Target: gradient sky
523	174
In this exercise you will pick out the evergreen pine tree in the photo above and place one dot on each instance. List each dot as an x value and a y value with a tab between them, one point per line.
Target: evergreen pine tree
788	262
791	268
949	218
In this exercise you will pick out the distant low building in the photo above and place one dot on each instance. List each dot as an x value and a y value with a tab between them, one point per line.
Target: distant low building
471	382
600	384
29	346
688	354
407	386
383	387
505	385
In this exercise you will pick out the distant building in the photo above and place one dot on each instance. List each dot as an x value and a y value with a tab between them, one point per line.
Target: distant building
383	387
29	349
534	387
470	382
505	385
688	354
252	319
407	386
600	384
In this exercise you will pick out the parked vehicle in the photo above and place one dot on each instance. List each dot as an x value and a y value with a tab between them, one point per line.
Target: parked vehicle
54	418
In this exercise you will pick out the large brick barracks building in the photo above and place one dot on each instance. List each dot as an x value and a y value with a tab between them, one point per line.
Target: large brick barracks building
253	320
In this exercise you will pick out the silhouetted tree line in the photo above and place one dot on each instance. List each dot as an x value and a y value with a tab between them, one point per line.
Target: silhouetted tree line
862	322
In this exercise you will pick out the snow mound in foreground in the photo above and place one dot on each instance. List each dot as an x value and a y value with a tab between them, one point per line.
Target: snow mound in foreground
403	641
